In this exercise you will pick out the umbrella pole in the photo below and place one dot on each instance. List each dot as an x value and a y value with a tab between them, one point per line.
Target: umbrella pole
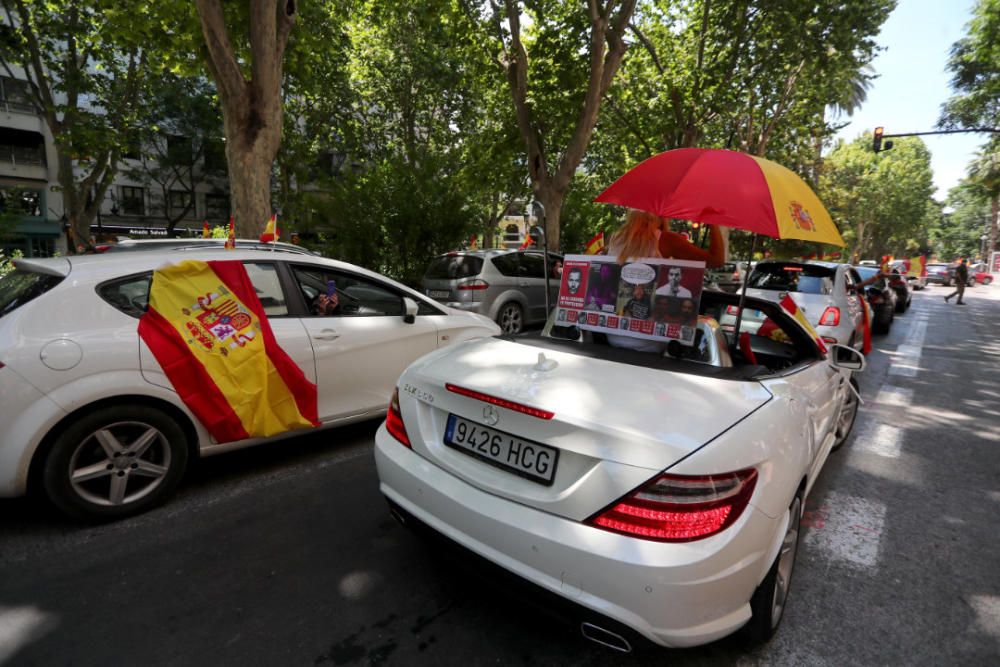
743	292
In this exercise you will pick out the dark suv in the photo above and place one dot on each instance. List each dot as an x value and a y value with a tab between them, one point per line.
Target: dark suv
508	286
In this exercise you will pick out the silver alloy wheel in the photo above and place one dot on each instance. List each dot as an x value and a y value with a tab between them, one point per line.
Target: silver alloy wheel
510	318
847	413
119	463
786	562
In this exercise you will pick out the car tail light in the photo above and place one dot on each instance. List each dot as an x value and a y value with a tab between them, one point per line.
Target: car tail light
829	339
474	285
680	508
502	402
394	421
101	248
831	317
733	310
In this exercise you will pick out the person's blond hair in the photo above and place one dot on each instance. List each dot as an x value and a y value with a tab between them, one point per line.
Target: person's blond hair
638	236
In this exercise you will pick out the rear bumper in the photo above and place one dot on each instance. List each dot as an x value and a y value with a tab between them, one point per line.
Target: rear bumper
675	595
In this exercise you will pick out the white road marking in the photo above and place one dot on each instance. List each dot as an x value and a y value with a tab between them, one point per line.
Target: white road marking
19	626
906	360
883	440
891	396
850	530
987	608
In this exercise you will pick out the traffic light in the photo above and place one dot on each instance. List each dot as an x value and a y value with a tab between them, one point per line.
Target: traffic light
877	144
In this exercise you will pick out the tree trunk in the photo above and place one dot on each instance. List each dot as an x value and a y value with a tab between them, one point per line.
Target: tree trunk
552	200
250	159
994	223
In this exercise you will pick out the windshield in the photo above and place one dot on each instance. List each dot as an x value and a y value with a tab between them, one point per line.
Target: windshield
450	267
19	287
792	277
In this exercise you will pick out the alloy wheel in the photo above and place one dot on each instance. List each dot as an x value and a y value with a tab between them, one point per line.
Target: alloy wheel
786	562
119	463
511	321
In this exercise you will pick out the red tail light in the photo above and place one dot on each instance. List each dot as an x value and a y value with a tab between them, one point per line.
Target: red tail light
474	285
733	310
502	402
680	508
101	248
394	421
831	317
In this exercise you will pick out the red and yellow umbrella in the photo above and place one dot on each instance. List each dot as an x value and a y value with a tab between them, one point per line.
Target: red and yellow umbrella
728	188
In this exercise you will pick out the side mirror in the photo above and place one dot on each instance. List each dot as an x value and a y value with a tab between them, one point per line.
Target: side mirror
411	309
844	357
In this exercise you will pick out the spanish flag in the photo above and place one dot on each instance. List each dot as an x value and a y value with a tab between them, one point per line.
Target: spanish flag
866	317
206	231
473	242
595	245
208	331
793	309
270	234
917	266
527	243
886	263
231	237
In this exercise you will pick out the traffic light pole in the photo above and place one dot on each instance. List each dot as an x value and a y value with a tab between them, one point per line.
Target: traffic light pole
879	135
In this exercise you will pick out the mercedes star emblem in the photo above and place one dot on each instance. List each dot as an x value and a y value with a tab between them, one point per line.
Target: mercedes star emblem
491	415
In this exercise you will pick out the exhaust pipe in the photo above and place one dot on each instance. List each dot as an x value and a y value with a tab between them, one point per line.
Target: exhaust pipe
605	637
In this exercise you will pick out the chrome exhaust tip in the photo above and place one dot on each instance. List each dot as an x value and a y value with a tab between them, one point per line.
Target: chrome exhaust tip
605	637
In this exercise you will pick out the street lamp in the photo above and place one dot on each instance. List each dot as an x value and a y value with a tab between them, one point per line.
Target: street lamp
982	247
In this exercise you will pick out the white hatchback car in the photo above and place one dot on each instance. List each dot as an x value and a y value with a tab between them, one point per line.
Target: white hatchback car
826	292
661	494
88	413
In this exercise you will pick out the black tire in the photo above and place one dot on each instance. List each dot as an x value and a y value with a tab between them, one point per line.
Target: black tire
902	305
847	416
767	605
510	317
987	281
125	460
881	324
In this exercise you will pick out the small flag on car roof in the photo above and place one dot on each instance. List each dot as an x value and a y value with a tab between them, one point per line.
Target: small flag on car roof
527	243
270	234
231	237
206	231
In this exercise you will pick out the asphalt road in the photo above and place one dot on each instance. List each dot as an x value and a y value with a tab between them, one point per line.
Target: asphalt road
285	555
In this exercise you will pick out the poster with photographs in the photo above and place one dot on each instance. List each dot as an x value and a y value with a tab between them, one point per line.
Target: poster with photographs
651	298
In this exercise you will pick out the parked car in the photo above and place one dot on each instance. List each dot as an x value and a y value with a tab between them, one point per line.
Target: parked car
882	298
979	273
77	382
659	496
826	292
940	274
132	245
728	277
508	286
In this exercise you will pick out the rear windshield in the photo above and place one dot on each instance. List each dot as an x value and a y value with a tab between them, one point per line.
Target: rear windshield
19	287
803	278
449	267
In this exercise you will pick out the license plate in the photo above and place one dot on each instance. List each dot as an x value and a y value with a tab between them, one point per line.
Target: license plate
438	294
522	457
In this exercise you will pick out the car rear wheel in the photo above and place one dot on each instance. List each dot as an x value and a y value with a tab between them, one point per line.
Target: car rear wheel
511	318
115	462
768	602
987	281
848	413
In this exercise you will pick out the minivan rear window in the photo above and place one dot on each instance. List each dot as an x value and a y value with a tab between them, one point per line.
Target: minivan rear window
450	267
792	277
19	287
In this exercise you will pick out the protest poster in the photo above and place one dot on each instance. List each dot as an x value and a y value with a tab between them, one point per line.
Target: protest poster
650	298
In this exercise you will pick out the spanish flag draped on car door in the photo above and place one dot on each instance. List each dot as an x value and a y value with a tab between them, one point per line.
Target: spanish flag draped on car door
208	331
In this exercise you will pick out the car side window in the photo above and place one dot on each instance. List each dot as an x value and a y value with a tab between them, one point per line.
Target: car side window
849	282
129	295
264	278
340	294
532	266
507	264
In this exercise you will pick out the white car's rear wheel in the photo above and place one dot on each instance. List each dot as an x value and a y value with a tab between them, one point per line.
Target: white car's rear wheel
768	602
115	462
848	414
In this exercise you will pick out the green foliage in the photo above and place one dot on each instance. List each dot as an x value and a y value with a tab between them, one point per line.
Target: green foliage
880	202
975	69
7	263
394	220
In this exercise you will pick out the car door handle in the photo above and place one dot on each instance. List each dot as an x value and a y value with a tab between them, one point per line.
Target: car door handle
326	334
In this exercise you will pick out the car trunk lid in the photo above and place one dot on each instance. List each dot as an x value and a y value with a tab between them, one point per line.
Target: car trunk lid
612	425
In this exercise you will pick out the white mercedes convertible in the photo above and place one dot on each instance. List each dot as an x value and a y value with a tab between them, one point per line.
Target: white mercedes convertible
661	494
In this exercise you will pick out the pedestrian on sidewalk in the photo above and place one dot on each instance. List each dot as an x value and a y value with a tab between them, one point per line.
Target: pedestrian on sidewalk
961	279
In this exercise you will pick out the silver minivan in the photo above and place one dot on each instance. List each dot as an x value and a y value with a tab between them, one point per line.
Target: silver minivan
508	286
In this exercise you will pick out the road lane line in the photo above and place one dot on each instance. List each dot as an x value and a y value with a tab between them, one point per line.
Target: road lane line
891	396
848	529
885	440
906	360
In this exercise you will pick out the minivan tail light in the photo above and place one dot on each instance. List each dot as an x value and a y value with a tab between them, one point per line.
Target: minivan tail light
680	508
394	420
474	285
831	317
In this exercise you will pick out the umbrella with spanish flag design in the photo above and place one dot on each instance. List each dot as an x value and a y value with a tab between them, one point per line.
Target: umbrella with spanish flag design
723	187
208	331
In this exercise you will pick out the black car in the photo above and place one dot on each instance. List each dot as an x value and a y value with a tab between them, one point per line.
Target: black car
881	297
939	274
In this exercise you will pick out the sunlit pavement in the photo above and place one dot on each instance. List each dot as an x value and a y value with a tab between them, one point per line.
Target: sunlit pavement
285	554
